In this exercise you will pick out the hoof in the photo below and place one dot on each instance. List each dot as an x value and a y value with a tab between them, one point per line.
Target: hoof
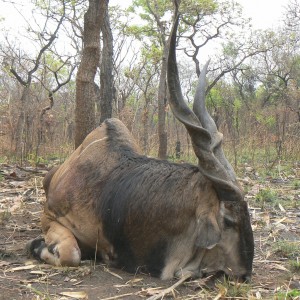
34	247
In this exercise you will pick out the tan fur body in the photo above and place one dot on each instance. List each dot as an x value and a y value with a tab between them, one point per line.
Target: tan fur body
136	212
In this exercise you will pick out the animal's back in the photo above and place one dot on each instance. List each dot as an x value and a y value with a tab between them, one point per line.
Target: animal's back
108	191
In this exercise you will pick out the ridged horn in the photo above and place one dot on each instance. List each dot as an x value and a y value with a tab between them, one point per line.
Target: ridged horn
206	139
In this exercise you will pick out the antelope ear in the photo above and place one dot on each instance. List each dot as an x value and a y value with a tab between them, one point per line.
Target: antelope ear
209	233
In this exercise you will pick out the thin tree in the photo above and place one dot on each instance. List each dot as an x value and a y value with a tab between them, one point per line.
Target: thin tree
85	100
106	73
51	92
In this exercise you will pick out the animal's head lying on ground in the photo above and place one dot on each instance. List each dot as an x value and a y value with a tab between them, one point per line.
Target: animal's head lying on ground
140	213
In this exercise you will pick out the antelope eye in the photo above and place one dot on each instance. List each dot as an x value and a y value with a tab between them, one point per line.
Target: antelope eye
229	222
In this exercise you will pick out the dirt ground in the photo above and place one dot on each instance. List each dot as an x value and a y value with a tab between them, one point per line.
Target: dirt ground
276	225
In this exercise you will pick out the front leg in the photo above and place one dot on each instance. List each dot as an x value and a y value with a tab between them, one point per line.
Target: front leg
59	248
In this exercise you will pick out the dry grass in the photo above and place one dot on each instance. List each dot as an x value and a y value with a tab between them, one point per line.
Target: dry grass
276	266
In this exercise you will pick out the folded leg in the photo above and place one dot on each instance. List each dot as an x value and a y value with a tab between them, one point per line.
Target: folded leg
59	247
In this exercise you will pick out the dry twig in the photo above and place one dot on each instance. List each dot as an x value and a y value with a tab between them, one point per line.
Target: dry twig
171	288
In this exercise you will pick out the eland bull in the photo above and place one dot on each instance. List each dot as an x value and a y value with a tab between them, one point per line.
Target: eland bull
140	213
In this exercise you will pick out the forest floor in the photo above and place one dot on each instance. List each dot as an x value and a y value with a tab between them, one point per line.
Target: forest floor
274	203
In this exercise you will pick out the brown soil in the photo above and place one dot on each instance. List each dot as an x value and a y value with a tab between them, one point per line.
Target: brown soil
21	200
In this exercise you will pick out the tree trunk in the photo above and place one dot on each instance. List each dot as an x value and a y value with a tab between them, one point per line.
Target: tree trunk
106	75
145	120
19	135
85	100
162	101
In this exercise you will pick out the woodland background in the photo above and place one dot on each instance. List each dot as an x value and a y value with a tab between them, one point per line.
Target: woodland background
253	78
78	62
